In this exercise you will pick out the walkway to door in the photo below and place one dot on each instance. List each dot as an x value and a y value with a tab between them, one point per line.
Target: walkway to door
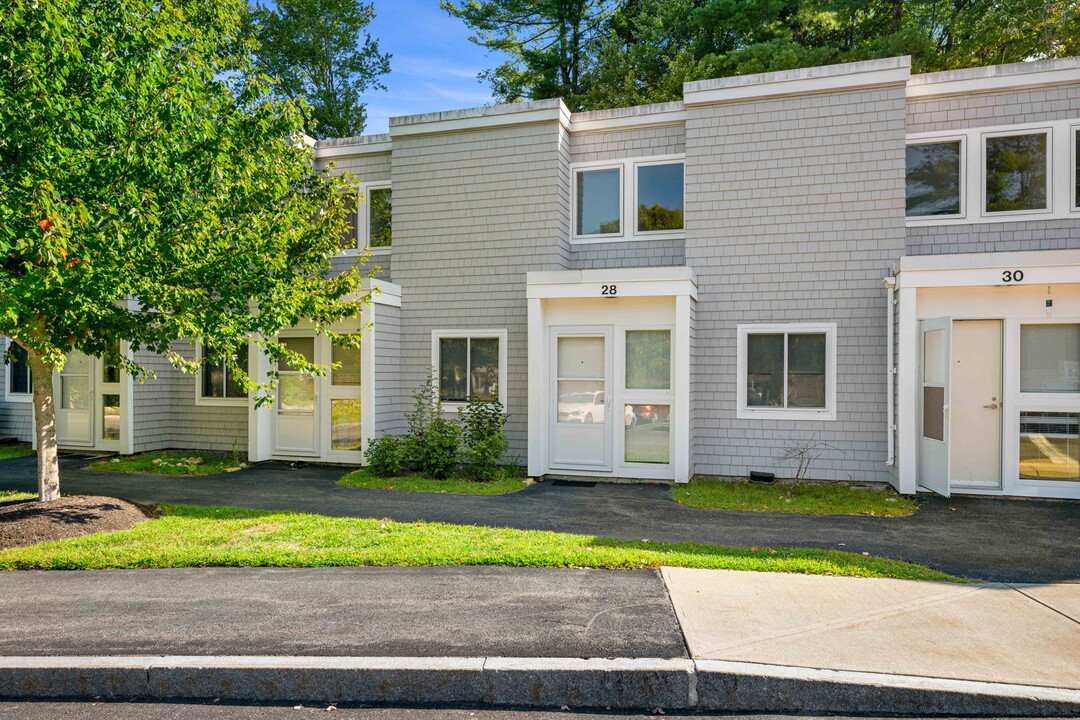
985	538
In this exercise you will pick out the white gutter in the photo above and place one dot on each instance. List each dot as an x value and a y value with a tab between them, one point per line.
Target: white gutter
890	368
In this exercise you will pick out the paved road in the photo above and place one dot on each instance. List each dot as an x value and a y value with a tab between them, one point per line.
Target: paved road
210	711
986	538
418	611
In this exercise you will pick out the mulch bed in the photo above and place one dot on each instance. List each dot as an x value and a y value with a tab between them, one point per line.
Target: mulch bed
25	522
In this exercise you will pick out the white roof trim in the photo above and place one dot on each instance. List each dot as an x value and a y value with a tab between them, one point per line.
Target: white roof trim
1040	267
824	78
631	282
963	261
447	122
357	149
995	77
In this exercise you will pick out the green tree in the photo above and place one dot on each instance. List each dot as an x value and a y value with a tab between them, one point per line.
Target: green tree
547	41
319	50
145	197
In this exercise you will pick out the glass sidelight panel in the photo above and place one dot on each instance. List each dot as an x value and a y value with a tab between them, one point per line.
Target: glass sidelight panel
1050	358
345	424
648	359
110	417
648	433
1050	446
349	372
581	401
303	346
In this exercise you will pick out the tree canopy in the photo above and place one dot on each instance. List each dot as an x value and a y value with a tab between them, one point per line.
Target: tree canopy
641	51
148	195
320	51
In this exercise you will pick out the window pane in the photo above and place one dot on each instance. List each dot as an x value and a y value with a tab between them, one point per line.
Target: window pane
213	385
484	373
348	236
19	371
933	412
648	433
934	357
1050	358
233	388
1016	172
77	364
648	359
1050	446
345	424
110	373
74	392
349	372
453	356
660	197
296	393
581	357
764	370
303	346
598	210
806	370
581	401
380	217
1076	166
933	179
110	417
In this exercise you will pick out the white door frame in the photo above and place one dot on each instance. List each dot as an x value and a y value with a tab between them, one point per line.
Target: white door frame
606	332
98	388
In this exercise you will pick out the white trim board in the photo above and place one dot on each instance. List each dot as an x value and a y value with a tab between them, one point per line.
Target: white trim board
630	282
995	78
1039	267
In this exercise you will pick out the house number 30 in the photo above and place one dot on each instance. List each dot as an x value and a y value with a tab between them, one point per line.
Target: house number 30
1012	276
609	290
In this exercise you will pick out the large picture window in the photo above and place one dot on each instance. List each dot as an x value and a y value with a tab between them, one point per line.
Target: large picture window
787	371
469	365
628	199
216	381
1016	172
933	179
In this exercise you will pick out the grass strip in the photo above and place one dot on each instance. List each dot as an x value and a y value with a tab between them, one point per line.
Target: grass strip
167	464
419	483
802	498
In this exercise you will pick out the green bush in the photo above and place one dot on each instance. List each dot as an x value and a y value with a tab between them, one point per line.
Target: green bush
484	441
385	455
431	446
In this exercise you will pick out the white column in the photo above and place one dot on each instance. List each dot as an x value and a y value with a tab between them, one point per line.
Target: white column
907	446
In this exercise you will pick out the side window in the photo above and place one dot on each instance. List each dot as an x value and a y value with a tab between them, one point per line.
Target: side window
18	367
599	202
933	179
380	227
1016	172
469	366
218	382
659	197
787	371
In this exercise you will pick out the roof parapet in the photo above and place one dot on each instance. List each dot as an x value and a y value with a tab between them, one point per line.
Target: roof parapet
995	77
481	117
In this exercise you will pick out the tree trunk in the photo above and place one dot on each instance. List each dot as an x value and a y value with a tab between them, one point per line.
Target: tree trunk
897	15
41	374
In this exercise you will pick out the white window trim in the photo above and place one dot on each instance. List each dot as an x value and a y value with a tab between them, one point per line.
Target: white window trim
363	220
628	231
962	139
8	395
997	214
478	334
1060	182
768	413
216	402
1074	157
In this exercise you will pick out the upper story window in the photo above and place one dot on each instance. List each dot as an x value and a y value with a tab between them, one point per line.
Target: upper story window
18	372
994	174
469	364
933	178
787	371
629	199
217	382
370	222
1017	172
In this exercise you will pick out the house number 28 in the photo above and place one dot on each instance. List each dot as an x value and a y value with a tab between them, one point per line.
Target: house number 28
1012	276
609	290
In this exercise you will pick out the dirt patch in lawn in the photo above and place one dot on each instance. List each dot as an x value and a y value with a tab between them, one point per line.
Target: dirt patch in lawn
26	522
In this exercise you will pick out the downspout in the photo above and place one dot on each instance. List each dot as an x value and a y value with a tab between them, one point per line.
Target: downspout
890	370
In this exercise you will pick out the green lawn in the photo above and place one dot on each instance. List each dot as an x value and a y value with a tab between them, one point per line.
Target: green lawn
170	464
805	498
220	536
14	451
15	495
419	483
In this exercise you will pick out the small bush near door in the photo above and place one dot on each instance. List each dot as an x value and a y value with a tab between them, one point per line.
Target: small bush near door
436	447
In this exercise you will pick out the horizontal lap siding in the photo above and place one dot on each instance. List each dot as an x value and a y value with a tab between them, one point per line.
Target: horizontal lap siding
1011	107
473	212
795	213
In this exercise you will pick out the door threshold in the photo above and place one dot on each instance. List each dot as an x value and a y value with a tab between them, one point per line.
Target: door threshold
580	479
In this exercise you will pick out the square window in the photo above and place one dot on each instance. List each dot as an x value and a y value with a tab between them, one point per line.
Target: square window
219	382
1016	172
787	372
648	359
1050	358
933	179
599	194
469	368
660	197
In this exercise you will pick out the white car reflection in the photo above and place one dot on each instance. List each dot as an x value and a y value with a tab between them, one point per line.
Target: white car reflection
586	407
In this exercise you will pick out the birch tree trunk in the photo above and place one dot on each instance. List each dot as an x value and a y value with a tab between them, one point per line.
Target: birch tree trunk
41	375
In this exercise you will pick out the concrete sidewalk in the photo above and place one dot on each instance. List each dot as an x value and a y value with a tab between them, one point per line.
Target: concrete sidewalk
762	642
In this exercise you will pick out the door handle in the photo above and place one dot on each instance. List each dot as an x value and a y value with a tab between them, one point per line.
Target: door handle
991	406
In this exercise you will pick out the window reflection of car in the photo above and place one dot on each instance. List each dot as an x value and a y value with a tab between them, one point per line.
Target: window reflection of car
586	407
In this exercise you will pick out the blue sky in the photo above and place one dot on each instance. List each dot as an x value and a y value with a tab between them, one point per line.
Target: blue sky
433	67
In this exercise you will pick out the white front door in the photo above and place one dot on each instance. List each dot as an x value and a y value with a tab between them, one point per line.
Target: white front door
975	404
297	407
582	416
936	366
75	410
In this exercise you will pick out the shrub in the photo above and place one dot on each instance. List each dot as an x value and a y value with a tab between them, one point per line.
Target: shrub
484	441
431	447
385	455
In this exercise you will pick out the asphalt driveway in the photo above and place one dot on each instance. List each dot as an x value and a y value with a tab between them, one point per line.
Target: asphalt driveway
1032	541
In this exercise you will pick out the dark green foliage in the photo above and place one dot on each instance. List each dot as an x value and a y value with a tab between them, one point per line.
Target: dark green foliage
431	446
385	455
484	440
319	50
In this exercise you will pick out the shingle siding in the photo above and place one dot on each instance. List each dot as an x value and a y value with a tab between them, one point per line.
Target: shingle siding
628	254
795	213
389	395
627	142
